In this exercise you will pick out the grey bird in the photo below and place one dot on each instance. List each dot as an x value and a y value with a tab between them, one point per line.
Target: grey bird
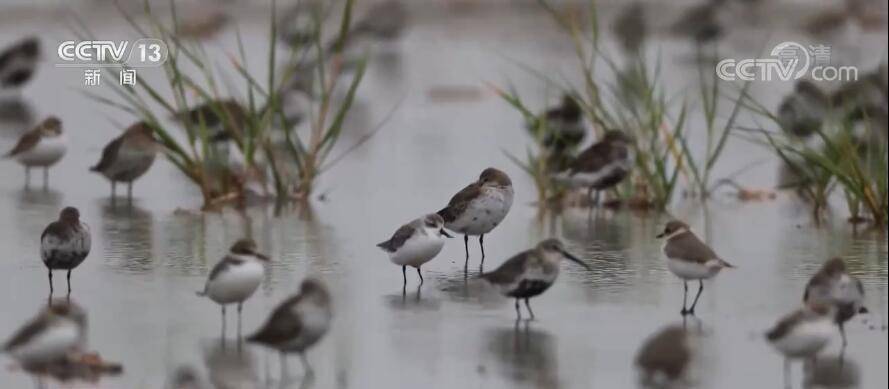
689	259
128	157
802	333
833	285
630	28
601	166
416	243
56	332
297	323
64	244
41	147
18	63
664	357
530	273
479	207
802	112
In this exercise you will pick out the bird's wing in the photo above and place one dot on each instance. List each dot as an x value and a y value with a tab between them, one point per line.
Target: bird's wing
109	155
784	325
688	247
26	142
403	234
26	333
591	159
225	263
509	270
459	202
818	289
283	324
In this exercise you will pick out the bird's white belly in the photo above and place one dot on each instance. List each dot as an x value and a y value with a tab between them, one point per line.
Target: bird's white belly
483	213
806	339
417	250
52	344
689	270
46	152
236	284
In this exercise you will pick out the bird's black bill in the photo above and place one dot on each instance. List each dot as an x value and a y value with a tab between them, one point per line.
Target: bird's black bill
445	233
661	235
262	256
575	260
863	310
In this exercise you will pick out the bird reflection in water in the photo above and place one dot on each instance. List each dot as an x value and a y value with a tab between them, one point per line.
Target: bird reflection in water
831	373
663	359
230	367
524	355
129	233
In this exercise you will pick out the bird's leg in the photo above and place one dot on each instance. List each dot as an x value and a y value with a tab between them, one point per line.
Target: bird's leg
589	196
697	296
50	283
481	243
518	312
684	311
240	308
596	199
27	177
113	190
306	366
528	305
283	359
787	373
69	282
404	274
223	325
466	245
419	273
843	334
45	177
130	192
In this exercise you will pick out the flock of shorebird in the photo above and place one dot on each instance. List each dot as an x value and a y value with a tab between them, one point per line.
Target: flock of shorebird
831	298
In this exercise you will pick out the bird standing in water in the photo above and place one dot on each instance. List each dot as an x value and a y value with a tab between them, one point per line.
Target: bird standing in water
64	244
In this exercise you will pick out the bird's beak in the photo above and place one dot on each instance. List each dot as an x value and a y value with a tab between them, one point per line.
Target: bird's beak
445	233
262	256
863	310
661	235
575	259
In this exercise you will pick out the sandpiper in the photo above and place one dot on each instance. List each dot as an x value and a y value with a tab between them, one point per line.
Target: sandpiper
602	165
297	323
416	243
565	126
530	272
18	63
833	285
664	356
223	119
802	112
235	277
40	147
689	259
802	333
128	157
51	336
479	207
64	244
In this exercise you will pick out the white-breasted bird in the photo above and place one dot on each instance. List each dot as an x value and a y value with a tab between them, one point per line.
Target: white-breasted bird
234	279
689	259
833	285
51	336
416	243
802	333
64	244
41	147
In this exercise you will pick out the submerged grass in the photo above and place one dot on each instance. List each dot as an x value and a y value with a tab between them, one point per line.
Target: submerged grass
254	126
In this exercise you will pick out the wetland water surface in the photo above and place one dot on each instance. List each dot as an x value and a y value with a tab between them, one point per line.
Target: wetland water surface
147	260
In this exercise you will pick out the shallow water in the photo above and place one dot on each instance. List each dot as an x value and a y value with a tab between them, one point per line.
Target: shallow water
138	283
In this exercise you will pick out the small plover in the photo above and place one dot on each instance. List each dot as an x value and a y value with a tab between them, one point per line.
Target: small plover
479	207
297	323
802	334
802	112
689	259
18	63
530	272
602	165
40	147
128	157
416	243
664	356
51	336
235	277
833	285
64	244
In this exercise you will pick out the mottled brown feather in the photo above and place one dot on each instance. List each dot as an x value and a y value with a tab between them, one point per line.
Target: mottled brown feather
26	142
109	155
460	201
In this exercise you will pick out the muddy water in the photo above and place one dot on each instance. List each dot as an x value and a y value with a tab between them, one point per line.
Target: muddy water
138	283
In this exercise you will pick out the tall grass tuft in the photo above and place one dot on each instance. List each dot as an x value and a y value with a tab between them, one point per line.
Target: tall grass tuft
281	159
